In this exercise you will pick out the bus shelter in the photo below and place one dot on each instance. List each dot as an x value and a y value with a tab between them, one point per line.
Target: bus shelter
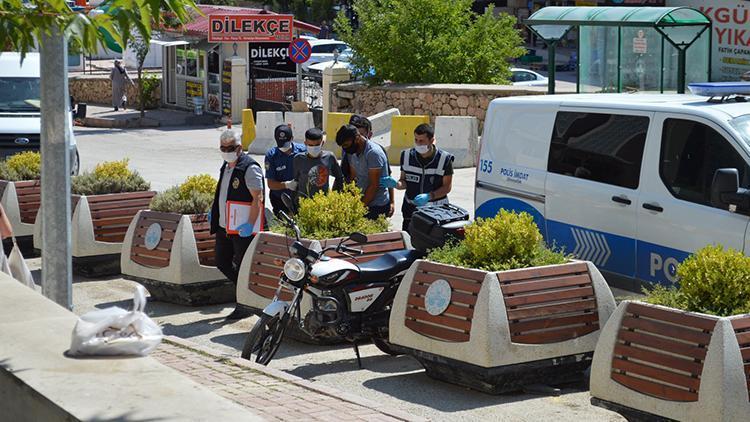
629	48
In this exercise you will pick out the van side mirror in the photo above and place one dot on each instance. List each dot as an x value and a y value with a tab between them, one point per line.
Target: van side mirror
726	192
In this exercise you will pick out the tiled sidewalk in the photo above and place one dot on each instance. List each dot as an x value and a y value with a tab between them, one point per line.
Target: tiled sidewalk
271	394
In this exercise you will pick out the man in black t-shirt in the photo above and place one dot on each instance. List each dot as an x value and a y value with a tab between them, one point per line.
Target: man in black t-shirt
313	168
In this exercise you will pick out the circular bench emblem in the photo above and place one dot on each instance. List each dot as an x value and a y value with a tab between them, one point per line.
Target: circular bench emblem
153	236
438	297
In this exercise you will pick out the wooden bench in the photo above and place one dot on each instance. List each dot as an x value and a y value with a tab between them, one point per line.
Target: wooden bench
204	240
377	245
264	271
29	194
111	214
549	304
158	257
454	324
661	353
741	327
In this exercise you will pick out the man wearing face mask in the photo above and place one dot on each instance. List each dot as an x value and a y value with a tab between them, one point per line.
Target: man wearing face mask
240	181
367	164
313	168
279	170
426	174
364	126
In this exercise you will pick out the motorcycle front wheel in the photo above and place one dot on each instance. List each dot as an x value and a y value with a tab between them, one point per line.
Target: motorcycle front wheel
264	339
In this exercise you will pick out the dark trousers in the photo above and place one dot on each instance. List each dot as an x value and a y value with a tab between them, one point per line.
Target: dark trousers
230	249
278	205
377	210
407	210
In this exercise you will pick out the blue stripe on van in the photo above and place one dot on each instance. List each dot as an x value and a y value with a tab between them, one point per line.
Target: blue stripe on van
610	252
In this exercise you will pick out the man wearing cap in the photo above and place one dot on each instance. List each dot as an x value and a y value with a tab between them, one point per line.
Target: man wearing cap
313	168
364	126
367	164
426	174
279	167
241	183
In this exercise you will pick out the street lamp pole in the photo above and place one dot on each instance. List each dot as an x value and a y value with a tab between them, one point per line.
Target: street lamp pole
55	143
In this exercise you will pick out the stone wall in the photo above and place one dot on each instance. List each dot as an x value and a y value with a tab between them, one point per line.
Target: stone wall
432	100
97	89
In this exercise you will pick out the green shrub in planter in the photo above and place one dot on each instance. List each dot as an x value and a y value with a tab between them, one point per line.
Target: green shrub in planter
504	242
109	177
712	281
21	166
334	214
194	196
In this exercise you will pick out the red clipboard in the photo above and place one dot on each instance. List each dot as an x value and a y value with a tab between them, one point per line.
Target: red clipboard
237	214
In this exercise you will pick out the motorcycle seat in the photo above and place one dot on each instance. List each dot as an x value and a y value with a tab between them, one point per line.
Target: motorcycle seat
387	265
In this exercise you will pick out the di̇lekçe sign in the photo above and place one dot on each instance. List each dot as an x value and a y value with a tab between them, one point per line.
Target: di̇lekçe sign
226	88
250	28
271	60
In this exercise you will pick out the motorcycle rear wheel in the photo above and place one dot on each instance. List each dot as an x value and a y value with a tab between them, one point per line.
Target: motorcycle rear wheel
264	339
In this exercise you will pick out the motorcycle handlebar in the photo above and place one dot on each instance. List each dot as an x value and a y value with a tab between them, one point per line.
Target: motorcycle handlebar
351	250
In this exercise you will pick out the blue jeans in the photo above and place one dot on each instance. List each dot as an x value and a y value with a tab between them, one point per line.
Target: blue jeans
375	211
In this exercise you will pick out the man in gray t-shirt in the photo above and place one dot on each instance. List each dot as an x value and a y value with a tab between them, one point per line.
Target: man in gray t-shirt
313	168
367	163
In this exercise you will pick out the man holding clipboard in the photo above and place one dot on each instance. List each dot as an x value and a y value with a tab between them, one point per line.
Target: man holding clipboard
237	212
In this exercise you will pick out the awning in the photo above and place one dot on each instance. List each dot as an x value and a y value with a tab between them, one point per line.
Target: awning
168	43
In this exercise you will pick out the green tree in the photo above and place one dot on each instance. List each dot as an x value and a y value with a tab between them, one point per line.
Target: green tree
436	41
23	23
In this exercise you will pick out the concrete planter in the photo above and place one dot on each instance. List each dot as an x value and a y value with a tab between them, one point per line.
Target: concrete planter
21	201
98	230
655	363
259	275
176	264
498	331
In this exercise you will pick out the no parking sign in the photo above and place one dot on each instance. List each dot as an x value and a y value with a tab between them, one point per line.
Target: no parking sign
300	50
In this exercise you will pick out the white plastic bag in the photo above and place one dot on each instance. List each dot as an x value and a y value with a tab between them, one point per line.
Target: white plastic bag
115	331
18	268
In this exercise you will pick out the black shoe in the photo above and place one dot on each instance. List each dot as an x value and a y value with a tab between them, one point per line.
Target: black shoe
237	314
117	108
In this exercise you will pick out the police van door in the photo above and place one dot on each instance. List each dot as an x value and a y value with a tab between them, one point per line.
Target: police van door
675	216
592	185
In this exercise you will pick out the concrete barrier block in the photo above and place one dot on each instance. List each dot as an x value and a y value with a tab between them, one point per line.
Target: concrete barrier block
175	271
300	122
459	136
500	331
402	135
334	121
248	128
653	361
264	139
383	121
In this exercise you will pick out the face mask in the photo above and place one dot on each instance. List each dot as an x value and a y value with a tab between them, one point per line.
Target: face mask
314	151
422	149
229	157
287	146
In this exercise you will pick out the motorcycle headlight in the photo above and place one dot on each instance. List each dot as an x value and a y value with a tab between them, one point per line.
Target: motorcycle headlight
294	269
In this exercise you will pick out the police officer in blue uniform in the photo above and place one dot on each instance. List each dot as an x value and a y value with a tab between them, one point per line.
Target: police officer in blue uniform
279	169
426	174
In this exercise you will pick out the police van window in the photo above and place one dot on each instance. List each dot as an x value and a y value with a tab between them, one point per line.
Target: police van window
606	148
690	154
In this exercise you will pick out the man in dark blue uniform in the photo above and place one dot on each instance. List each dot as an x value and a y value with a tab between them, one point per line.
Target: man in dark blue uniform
279	169
426	174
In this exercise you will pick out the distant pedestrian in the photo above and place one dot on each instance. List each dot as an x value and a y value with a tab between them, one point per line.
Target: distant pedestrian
367	164
119	77
426	174
313	168
241	186
279	167
325	31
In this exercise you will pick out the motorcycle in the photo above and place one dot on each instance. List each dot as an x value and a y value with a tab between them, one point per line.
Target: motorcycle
348	300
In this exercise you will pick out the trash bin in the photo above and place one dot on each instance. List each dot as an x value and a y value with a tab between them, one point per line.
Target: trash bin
432	226
198	104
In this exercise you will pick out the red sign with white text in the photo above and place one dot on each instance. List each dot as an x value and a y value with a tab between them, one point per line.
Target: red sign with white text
250	28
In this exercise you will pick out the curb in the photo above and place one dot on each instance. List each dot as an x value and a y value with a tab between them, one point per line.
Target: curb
118	124
281	375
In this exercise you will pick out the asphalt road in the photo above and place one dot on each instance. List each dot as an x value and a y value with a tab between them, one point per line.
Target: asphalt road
165	157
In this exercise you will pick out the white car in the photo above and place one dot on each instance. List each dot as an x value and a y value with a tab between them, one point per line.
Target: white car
322	51
526	77
20	117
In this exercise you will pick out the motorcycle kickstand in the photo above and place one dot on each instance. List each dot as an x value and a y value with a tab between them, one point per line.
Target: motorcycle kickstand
356	351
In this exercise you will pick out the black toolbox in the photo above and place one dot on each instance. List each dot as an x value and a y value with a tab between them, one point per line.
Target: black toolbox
433	225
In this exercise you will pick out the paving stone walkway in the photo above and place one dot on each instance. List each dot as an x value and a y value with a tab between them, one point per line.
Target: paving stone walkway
271	394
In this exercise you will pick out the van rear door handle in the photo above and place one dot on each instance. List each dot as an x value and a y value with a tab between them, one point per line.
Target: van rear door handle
652	207
622	200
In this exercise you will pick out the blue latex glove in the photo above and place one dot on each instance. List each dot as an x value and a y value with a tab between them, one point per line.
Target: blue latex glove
388	182
245	230
209	216
422	199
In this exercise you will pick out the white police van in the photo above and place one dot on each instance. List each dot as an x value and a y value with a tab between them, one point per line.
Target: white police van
623	180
